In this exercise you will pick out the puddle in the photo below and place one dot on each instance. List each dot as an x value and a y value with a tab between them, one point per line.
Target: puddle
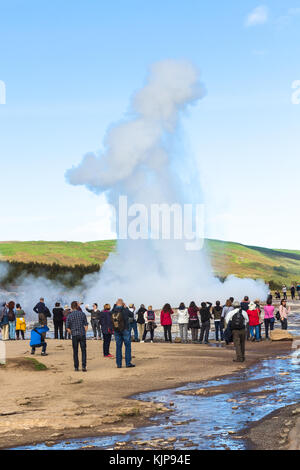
212	422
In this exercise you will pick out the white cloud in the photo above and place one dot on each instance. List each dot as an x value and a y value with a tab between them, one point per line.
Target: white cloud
259	15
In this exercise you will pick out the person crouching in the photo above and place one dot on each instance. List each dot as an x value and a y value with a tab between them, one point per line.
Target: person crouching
37	338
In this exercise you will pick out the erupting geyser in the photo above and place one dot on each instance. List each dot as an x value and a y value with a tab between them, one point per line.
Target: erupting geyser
141	163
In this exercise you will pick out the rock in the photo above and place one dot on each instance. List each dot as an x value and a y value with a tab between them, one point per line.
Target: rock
281	335
23	402
284	373
171	403
235	407
296	411
56	435
172	439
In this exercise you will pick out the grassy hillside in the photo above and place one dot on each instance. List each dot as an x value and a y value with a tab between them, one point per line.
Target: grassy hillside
280	266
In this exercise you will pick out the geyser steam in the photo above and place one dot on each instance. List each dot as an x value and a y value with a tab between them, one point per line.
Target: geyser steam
140	162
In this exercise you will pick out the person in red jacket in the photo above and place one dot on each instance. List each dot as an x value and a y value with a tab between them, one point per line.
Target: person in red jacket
253	314
166	322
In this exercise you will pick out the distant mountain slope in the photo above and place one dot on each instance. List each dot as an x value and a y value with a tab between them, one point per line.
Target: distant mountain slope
279	266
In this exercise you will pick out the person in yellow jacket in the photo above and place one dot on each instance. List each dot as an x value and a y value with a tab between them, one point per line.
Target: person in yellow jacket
20	322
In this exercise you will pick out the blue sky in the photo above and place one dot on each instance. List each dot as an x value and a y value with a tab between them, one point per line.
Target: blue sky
70	68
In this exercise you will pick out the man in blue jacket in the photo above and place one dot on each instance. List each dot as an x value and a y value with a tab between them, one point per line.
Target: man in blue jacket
37	338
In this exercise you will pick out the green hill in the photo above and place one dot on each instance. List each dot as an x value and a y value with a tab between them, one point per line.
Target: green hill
279	266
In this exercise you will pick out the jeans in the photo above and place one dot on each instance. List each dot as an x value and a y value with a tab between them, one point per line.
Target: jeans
76	341
41	345
133	326
254	332
96	327
123	337
167	332
269	323
239	338
106	343
219	329
183	329
12	329
58	327
284	324
205	327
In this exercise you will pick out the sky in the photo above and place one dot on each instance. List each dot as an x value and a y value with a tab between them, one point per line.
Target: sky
70	69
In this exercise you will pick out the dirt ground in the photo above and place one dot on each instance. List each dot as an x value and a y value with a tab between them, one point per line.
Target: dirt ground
58	403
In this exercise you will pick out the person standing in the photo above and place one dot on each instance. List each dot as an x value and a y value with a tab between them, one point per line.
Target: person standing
150	324
217	315
58	321
166	322
284	311
20	322
237	319
194	324
11	320
77	326
183	322
269	318
253	315
67	312
95	320
140	319
284	291
120	321
298	290
133	323
205	317
4	323
107	329
245	306
293	292
42	311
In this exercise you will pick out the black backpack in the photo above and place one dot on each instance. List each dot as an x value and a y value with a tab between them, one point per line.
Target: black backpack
238	321
118	321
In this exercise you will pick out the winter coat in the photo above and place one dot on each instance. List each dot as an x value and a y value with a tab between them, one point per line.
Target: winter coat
183	316
193	318
95	314
4	317
165	318
140	315
38	335
217	313
58	314
205	314
253	316
269	311
106	322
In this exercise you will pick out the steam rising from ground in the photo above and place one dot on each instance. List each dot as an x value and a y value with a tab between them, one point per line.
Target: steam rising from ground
140	161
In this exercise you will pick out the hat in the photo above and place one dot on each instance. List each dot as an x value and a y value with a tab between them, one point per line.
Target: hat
131	305
236	304
66	307
252	306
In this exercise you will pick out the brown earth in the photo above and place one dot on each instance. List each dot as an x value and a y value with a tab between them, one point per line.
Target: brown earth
58	403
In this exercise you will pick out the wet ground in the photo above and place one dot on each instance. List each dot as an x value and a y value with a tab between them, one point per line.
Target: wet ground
212	414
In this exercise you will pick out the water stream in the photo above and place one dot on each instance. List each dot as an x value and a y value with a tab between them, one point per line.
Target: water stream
213	422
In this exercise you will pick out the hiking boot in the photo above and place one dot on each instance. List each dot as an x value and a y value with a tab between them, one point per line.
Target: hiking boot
130	365
44	354
84	369
76	369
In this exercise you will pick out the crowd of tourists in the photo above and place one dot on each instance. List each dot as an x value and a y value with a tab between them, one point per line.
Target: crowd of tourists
234	322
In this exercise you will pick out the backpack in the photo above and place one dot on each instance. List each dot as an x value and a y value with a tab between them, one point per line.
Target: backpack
118	321
278	318
238	321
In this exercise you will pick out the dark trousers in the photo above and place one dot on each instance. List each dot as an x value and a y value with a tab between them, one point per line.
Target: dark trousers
151	331
96	327
284	324
58	327
205	327
269	324
76	341
239	339
42	345
167	332
219	329
18	334
106	343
